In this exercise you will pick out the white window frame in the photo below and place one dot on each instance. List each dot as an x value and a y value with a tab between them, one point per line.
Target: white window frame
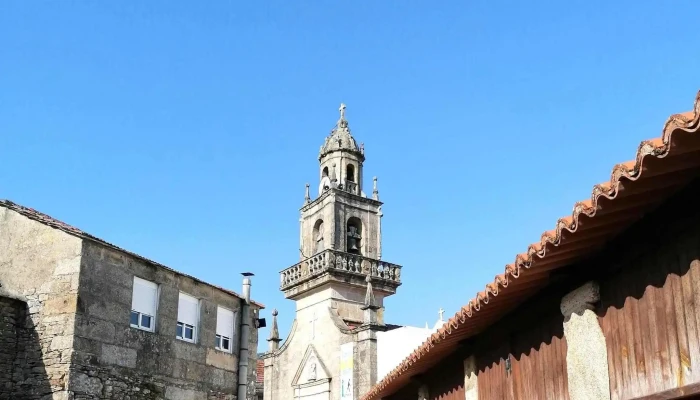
219	338
140	315
220	341
184	325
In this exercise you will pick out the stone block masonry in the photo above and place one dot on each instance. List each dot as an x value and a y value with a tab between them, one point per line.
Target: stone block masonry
11	315
69	337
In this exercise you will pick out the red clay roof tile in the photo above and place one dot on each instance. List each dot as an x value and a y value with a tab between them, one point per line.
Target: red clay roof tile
634	186
260	371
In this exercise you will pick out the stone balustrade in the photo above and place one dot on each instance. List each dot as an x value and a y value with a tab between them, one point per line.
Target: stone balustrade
333	260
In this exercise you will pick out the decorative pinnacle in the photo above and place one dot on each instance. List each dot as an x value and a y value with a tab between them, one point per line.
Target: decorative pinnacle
375	192
274	331
307	197
370	301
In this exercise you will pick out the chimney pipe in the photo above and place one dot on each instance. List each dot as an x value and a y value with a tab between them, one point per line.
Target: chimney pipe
243	354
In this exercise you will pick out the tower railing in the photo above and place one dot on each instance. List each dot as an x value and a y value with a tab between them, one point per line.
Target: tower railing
350	186
334	260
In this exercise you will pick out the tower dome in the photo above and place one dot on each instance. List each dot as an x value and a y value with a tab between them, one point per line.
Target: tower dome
340	138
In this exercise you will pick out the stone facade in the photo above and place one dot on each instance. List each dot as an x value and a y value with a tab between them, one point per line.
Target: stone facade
76	341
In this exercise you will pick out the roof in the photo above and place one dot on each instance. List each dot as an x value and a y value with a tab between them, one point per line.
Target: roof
260	371
71	230
662	166
340	138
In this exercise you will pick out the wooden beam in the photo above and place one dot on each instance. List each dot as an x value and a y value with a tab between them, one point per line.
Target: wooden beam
677	393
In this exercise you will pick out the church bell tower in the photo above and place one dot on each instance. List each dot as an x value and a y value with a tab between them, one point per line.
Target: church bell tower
340	242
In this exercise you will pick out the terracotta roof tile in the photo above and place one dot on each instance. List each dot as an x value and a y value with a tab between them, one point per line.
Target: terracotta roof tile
260	371
661	166
54	223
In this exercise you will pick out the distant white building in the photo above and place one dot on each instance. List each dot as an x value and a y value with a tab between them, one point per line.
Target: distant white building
394	345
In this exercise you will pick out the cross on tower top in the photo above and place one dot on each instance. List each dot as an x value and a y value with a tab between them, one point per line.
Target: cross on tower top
441	312
342	111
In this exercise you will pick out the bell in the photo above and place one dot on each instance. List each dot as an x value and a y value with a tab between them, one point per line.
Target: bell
353	244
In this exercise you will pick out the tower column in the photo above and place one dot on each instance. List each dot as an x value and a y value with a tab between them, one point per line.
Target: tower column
365	365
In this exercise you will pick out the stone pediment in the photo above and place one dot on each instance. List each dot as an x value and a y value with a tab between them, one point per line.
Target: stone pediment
311	370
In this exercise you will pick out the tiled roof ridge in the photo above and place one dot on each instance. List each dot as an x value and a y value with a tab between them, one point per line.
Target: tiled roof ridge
657	147
71	230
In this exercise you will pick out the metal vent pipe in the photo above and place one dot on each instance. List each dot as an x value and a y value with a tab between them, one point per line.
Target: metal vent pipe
244	342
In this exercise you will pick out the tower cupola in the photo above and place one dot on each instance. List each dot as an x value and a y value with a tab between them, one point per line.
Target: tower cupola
341	159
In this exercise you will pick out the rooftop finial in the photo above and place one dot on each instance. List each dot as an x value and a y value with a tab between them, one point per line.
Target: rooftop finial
307	196
274	339
342	111
375	191
441	312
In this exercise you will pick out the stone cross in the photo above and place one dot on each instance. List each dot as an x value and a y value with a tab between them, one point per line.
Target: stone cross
342	110
313	325
441	312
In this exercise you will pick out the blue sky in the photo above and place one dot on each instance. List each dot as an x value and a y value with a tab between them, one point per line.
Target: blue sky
185	132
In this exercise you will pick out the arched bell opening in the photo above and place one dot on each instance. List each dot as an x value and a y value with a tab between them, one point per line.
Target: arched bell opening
354	236
318	244
350	173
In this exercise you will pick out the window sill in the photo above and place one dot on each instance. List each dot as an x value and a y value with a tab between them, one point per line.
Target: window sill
186	340
142	328
223	350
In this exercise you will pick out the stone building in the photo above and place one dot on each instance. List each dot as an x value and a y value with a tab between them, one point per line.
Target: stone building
605	306
83	319
339	286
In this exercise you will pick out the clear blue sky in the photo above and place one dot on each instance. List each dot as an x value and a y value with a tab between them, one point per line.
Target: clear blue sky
185	131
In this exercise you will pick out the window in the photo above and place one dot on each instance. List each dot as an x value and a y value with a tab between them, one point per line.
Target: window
144	301
224	329
350	173
187	318
354	236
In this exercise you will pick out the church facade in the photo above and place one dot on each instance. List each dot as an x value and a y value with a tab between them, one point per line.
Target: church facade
339	285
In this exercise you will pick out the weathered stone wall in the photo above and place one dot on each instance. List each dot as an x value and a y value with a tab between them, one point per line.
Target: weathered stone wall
116	361
11	316
40	265
75	341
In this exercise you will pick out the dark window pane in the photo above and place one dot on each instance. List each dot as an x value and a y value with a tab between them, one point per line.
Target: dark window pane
145	321
225	343
179	329
189	332
134	318
218	341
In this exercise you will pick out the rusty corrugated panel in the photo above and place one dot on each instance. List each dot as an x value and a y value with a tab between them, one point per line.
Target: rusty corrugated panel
661	166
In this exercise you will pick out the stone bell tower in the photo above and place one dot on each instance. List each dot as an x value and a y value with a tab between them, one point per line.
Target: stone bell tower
338	285
340	239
